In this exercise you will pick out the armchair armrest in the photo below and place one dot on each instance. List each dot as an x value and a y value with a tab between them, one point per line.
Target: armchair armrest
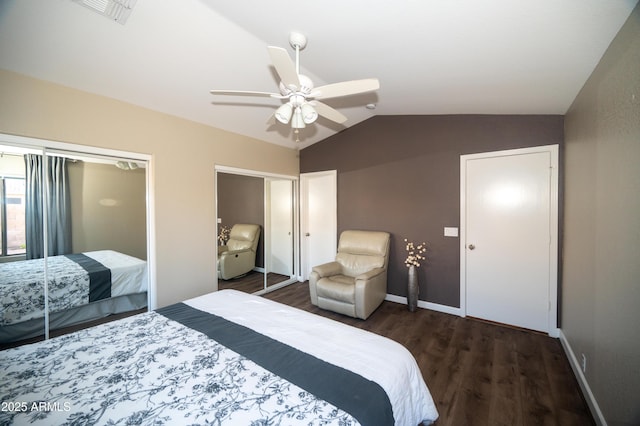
370	274
222	249
228	252
371	290
327	269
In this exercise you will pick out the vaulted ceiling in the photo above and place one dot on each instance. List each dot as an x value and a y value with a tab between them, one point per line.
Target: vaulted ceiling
430	56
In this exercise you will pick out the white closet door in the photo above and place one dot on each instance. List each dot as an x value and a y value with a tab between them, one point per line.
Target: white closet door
318	211
508	246
281	227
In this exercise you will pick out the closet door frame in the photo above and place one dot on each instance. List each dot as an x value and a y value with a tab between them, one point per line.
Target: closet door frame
219	168
46	146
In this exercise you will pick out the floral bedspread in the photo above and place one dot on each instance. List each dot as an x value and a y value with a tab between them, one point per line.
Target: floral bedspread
22	288
148	369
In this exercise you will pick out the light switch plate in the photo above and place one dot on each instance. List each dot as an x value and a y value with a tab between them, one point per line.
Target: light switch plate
450	232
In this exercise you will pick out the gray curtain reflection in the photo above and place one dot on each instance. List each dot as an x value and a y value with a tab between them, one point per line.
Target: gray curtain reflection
58	206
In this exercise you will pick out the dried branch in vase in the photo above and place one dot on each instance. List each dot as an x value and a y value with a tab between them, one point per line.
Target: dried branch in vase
414	253
223	235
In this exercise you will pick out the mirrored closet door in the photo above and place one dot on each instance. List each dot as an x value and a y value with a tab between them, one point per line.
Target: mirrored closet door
84	229
279	213
252	204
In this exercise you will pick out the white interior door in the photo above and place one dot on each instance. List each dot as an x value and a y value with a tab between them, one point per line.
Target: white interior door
318	217
510	234
281	227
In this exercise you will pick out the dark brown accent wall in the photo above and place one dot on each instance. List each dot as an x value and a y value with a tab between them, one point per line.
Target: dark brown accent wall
241	200
401	174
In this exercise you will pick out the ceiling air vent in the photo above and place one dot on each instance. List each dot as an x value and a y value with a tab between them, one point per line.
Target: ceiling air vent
117	10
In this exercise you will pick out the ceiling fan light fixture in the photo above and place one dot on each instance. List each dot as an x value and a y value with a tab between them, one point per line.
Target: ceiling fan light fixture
297	122
309	113
283	113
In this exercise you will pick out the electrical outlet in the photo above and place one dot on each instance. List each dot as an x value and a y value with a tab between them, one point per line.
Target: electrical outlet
584	363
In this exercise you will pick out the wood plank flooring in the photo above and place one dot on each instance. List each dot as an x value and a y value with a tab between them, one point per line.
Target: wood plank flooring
478	373
251	282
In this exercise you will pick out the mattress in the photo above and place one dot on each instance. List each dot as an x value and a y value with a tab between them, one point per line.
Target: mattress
224	358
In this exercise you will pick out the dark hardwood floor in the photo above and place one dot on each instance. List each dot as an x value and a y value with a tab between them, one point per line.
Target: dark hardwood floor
479	373
251	282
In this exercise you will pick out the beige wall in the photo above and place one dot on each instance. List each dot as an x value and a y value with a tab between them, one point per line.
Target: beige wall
601	280
108	208
184	154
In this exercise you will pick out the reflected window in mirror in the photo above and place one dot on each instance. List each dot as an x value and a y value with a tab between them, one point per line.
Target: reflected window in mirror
12	223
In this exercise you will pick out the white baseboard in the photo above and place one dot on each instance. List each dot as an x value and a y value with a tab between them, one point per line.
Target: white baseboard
582	381
425	305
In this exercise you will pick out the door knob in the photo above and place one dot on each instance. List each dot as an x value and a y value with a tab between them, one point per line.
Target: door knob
307	234
471	246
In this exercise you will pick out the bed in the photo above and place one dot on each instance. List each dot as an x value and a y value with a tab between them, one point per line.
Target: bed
223	358
82	286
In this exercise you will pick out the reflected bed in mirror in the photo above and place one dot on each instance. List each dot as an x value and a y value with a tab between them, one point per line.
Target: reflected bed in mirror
82	287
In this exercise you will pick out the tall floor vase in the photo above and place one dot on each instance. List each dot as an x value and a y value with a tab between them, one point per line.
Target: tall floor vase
412	289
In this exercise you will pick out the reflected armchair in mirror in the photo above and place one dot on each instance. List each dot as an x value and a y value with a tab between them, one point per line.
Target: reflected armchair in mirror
238	256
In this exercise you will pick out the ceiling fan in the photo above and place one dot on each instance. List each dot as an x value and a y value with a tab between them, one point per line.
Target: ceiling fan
302	104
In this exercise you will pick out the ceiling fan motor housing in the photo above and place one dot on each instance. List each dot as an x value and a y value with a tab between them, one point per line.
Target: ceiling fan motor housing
297	40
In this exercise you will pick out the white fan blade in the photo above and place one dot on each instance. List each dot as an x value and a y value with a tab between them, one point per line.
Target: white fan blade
246	93
284	66
327	112
346	88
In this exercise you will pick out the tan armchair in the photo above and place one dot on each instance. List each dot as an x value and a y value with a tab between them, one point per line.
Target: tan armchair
238	256
355	284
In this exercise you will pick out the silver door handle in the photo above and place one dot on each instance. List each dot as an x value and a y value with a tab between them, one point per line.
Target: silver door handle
471	246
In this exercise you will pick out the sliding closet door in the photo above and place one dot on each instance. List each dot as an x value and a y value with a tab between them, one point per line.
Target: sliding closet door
280	230
107	232
245	196
240	200
84	223
22	288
